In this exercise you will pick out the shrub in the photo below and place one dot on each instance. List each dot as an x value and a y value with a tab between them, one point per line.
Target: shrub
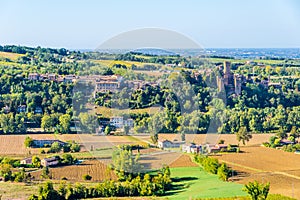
221	142
266	144
55	147
87	177
257	191
223	172
28	142
272	139
209	164
42	151
46	174
75	147
68	159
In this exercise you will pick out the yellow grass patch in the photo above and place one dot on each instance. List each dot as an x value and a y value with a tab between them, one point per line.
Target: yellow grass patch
11	56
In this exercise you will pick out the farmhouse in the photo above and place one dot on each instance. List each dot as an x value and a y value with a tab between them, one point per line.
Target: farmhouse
26	161
222	146
286	142
169	144
211	148
43	143
191	148
215	148
46	162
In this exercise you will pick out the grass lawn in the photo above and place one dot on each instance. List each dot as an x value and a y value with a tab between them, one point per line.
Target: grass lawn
10	190
193	182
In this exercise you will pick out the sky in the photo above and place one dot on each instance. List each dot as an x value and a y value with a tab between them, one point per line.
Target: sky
78	24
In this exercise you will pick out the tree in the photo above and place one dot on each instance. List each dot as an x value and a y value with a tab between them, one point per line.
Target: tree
294	133
155	125
257	191
28	142
47	192
126	130
107	130
125	163
65	122
223	172
46	173
36	161
47	123
88	122
68	159
87	177
243	135
281	133
55	147
75	147
7	123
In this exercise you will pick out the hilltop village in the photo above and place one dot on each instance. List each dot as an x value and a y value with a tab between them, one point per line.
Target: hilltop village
106	121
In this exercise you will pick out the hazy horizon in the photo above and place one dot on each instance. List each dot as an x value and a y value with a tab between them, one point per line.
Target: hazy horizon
211	24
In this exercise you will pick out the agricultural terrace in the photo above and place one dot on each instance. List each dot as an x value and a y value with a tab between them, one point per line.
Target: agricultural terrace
264	164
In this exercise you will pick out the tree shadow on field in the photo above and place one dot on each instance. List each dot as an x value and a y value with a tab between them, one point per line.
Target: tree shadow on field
178	186
148	158
238	176
146	166
179	179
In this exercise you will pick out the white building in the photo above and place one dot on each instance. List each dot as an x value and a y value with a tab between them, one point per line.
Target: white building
191	148
108	83
120	122
117	122
26	161
129	123
169	144
46	162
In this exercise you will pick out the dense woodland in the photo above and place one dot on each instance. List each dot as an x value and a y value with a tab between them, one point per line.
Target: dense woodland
189	103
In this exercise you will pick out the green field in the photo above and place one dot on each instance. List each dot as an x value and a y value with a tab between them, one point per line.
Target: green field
193	182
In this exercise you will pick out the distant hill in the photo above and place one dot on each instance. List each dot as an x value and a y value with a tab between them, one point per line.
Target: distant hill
154	52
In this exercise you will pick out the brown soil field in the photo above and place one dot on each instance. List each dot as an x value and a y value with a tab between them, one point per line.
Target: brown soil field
95	168
183	161
161	158
264	159
281	169
153	159
13	145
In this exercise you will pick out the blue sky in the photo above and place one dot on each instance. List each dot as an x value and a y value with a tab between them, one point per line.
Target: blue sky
78	24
